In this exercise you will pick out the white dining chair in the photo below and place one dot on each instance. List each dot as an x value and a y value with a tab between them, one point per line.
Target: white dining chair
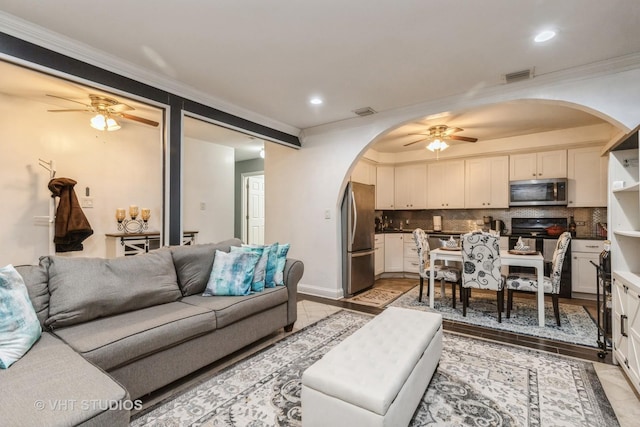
526	282
443	273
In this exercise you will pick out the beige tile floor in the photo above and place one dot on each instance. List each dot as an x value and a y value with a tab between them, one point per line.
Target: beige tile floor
624	401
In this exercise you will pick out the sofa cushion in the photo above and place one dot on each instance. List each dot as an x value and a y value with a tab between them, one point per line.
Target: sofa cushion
232	273
193	264
231	309
19	326
51	373
118	340
83	289
36	278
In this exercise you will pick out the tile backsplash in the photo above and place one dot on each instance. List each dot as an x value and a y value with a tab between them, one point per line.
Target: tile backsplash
471	219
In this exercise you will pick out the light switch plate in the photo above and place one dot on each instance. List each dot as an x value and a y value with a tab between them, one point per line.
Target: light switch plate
86	202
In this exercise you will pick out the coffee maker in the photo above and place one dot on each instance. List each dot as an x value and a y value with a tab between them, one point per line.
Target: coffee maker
487	220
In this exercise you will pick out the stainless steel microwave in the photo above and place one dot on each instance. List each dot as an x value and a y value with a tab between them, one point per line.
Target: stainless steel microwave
538	192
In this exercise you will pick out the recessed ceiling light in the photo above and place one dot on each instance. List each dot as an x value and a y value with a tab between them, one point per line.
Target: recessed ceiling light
544	36
316	100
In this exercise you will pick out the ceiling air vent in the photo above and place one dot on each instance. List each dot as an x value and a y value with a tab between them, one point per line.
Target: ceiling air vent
365	111
517	76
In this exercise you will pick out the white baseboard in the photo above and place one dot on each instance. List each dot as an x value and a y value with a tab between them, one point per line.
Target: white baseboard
320	291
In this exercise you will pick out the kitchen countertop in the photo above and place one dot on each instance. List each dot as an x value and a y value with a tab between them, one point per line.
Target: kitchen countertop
454	233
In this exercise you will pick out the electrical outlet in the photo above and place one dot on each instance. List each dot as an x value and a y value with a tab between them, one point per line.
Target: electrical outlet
86	202
580	223
203	206
407	222
327	214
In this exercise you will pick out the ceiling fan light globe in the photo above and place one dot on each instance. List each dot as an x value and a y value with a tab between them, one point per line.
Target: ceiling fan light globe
98	122
437	145
112	125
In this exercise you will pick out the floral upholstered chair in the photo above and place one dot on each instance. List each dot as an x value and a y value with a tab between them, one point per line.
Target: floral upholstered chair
442	272
481	267
529	282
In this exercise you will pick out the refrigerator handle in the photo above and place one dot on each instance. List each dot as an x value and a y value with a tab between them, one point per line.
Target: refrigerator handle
355	216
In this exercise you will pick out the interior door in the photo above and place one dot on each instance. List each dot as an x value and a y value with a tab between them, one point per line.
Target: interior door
255	210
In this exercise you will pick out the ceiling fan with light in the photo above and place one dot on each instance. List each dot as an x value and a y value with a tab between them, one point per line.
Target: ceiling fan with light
437	135
106	109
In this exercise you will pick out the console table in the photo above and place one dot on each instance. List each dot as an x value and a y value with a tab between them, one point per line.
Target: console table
129	244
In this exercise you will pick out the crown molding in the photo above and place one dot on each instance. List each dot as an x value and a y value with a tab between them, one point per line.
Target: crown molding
42	37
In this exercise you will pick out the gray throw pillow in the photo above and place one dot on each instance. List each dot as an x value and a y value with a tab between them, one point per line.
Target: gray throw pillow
193	264
83	289
36	278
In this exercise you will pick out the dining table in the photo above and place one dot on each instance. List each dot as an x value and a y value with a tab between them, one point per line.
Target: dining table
507	257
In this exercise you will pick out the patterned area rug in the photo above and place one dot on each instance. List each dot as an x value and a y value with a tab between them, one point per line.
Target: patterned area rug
576	325
376	297
477	383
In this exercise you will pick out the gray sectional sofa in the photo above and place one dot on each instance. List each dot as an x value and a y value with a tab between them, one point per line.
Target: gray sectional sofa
115	330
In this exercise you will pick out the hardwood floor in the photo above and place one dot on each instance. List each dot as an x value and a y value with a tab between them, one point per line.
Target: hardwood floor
558	347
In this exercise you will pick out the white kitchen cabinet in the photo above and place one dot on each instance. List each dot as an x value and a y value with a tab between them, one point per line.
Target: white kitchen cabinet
583	273
411	187
445	185
385	187
626	325
487	182
542	165
379	254
364	172
587	173
393	253
411	260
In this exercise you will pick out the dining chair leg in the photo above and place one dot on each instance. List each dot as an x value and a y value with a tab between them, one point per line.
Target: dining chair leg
556	308
420	292
500	304
465	300
453	294
509	302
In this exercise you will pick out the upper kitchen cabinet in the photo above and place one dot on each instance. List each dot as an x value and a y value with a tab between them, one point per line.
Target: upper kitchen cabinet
411	187
385	187
364	172
587	173
542	165
445	185
487	182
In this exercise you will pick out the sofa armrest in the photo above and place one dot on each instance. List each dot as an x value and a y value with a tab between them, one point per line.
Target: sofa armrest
293	270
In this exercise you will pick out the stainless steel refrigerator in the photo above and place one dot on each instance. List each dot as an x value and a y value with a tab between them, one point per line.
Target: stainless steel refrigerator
358	237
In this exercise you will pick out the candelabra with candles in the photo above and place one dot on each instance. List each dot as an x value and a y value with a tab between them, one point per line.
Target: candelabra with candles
133	225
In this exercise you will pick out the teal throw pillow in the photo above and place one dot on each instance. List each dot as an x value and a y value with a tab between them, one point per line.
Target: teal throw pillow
257	284
232	273
270	272
280	262
19	325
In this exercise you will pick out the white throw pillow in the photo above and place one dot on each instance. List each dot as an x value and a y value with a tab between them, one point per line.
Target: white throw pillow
19	326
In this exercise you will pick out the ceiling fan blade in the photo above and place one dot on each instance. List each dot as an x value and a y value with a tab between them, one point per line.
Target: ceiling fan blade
70	100
415	142
462	138
139	119
450	131
119	108
69	111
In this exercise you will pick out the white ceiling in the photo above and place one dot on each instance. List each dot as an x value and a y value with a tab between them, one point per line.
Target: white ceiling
270	57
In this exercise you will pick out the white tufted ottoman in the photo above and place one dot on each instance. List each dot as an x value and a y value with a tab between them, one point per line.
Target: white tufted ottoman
376	376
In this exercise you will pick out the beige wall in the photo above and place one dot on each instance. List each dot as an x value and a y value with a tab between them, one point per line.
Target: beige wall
120	168
316	175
